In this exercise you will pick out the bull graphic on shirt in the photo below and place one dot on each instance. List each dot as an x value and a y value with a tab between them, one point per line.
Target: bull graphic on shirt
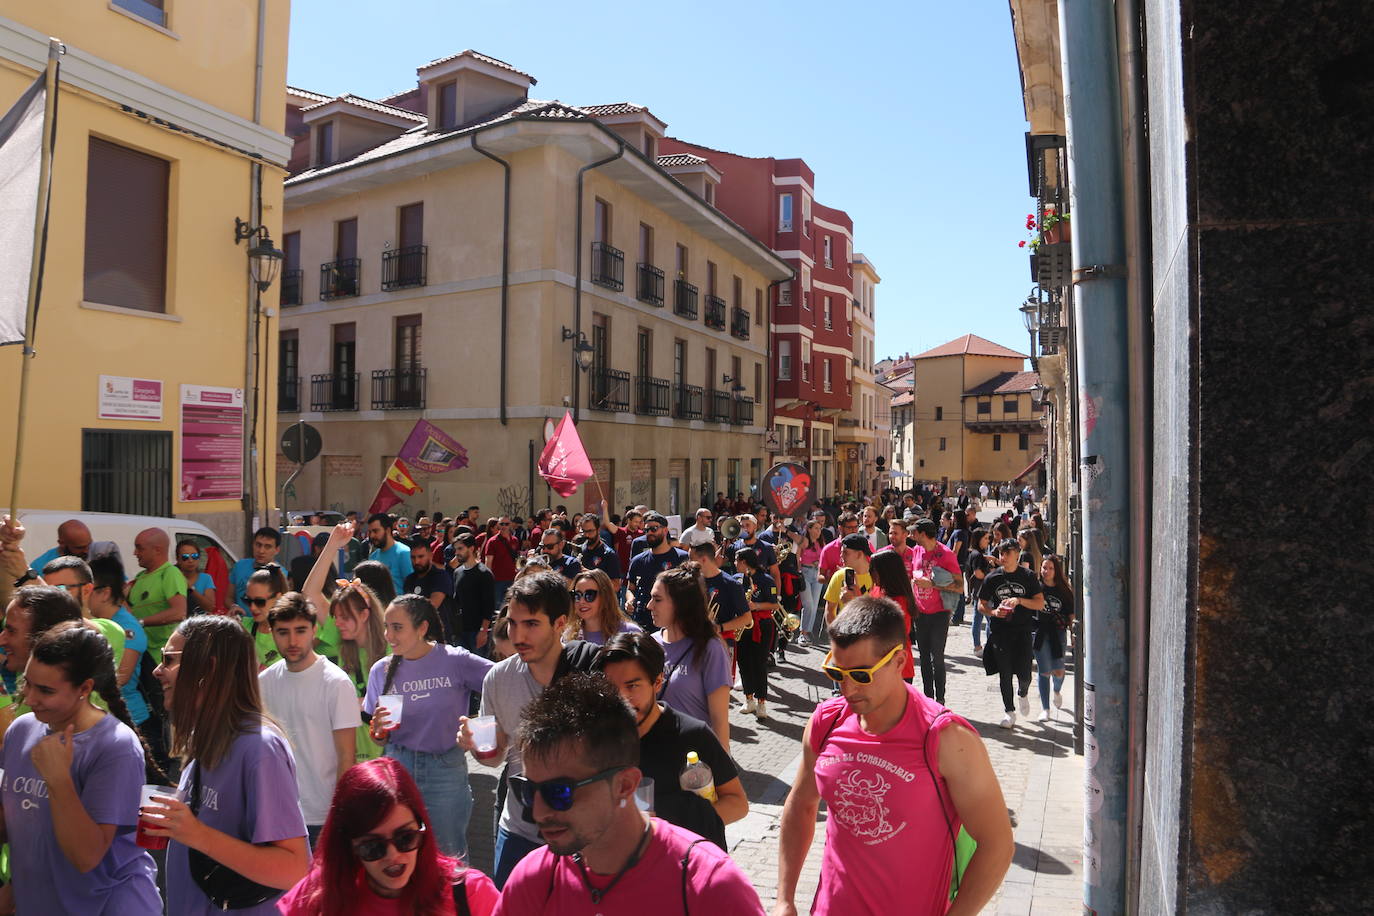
859	806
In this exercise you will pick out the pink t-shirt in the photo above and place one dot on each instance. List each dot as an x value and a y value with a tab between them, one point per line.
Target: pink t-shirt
922	562
481	893
886	837
906	553
715	884
832	558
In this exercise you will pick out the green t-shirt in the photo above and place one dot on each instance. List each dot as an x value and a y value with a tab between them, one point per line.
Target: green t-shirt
327	638
114	635
151	593
266	645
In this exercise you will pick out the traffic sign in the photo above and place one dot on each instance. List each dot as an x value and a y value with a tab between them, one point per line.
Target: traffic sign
301	443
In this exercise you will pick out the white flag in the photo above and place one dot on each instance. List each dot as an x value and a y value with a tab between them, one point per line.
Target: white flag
21	141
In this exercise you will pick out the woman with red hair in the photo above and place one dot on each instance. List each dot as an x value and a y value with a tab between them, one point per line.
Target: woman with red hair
377	855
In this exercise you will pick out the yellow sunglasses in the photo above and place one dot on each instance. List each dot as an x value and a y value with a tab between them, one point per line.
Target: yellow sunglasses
857	675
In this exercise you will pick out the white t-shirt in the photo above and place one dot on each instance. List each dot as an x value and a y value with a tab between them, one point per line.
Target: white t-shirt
692	536
311	705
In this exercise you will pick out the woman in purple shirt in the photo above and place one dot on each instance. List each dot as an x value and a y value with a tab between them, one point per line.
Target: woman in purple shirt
697	671
238	838
72	777
437	682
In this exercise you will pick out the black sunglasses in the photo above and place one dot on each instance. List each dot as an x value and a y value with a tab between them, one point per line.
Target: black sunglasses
557	793
407	839
584	595
654	529
258	602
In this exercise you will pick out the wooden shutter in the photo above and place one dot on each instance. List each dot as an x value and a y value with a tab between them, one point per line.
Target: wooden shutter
412	225
126	227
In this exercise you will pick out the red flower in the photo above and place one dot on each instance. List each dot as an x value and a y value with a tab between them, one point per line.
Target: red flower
1021	244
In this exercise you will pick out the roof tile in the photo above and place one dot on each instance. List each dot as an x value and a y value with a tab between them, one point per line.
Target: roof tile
675	159
614	108
1007	383
970	345
361	102
484	58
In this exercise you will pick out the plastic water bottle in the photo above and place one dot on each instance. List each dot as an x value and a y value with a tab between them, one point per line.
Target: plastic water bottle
697	777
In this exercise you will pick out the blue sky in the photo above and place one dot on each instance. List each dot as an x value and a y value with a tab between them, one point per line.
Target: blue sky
909	113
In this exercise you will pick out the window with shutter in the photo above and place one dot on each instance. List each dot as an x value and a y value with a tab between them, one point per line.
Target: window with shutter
126	227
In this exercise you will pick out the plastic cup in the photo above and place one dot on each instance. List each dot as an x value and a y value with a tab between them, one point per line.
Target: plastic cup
392	703
145	797
644	795
483	734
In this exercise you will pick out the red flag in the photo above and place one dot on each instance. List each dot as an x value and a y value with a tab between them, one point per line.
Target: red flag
564	464
384	500
396	486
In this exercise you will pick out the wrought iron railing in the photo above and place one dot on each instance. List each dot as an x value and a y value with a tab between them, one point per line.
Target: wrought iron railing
739	323
398	389
608	266
687	402
718	406
292	282
404	267
331	391
650	286
651	396
610	389
715	312
743	414
685	299
341	279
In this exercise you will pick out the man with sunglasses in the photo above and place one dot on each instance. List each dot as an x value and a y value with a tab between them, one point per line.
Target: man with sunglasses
899	774
603	855
552	546
659	555
499	552
700	532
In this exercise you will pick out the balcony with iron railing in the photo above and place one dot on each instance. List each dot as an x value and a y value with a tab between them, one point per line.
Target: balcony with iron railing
341	279
608	266
687	402
288	394
718	406
743	413
334	392
684	299
404	267
610	389
292	287
715	312
651	396
739	323
398	389
649	287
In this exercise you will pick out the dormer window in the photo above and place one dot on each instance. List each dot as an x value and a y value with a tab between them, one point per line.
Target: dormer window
324	144
448	106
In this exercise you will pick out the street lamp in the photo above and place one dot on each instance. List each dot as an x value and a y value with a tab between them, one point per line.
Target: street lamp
1030	314
728	379
583	352
264	258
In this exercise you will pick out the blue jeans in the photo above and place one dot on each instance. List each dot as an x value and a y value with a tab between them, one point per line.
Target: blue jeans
443	782
510	849
811	599
978	619
1045	662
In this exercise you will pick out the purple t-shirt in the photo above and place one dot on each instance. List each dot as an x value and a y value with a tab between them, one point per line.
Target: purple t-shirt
107	770
598	638
689	680
251	795
437	689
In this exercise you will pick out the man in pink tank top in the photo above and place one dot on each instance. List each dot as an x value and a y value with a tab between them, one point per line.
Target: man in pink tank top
900	774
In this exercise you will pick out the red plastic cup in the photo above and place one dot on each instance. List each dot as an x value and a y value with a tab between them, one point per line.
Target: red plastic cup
144	839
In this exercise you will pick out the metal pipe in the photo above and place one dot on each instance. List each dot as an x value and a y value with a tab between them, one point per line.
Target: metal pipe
1093	121
1139	367
577	286
251	351
505	265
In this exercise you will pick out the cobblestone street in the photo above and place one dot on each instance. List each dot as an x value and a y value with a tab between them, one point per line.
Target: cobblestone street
1041	778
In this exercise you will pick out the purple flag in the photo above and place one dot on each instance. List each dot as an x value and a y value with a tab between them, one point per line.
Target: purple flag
430	449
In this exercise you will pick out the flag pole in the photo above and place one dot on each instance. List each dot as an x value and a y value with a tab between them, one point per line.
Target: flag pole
40	232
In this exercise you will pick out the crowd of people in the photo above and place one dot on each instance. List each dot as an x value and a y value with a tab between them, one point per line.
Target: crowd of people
298	739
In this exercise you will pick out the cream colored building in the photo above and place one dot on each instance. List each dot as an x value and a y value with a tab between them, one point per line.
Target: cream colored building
976	418
440	244
860	438
169	128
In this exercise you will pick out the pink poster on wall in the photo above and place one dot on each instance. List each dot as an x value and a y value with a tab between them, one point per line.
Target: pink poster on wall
211	442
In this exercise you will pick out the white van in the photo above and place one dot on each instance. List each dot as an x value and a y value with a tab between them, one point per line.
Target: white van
41	533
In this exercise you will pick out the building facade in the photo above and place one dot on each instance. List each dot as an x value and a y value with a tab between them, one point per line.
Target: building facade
862	445
446	272
975	416
169	127
813	328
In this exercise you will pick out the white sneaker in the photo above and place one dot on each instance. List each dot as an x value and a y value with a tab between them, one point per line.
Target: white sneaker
1025	705
804	641
1058	700
750	705
1044	716
1008	720
762	710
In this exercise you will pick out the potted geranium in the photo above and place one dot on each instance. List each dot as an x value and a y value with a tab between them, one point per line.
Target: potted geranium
1052	230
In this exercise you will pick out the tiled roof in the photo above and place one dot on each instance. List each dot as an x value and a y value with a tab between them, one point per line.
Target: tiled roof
307	94
680	159
970	345
1008	383
484	58
361	102
614	108
903	399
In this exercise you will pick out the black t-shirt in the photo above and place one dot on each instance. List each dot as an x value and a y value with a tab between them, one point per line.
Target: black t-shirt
474	591
975	560
663	754
960	536
1058	608
726	595
1001	584
763	589
437	579
598	555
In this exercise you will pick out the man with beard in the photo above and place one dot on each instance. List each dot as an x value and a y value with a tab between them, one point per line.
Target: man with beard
749	537
388	551
499	552
604	855
645	567
433	583
313	699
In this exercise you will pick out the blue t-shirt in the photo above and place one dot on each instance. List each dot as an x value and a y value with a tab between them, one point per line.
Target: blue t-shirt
644	569
107	770
397	559
238	580
134	638
204	583
725	595
250	795
603	557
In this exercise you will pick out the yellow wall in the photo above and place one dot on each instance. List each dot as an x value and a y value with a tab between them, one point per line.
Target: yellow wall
941	382
201	339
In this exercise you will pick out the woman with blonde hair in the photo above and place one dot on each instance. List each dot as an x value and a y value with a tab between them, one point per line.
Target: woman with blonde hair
596	613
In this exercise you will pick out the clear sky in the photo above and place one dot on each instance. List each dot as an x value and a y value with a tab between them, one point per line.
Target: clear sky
909	113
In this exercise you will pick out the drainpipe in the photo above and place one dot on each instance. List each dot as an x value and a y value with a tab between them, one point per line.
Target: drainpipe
1093	120
577	288
505	265
768	379
251	350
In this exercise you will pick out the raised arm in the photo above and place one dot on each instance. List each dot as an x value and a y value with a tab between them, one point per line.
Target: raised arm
314	583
